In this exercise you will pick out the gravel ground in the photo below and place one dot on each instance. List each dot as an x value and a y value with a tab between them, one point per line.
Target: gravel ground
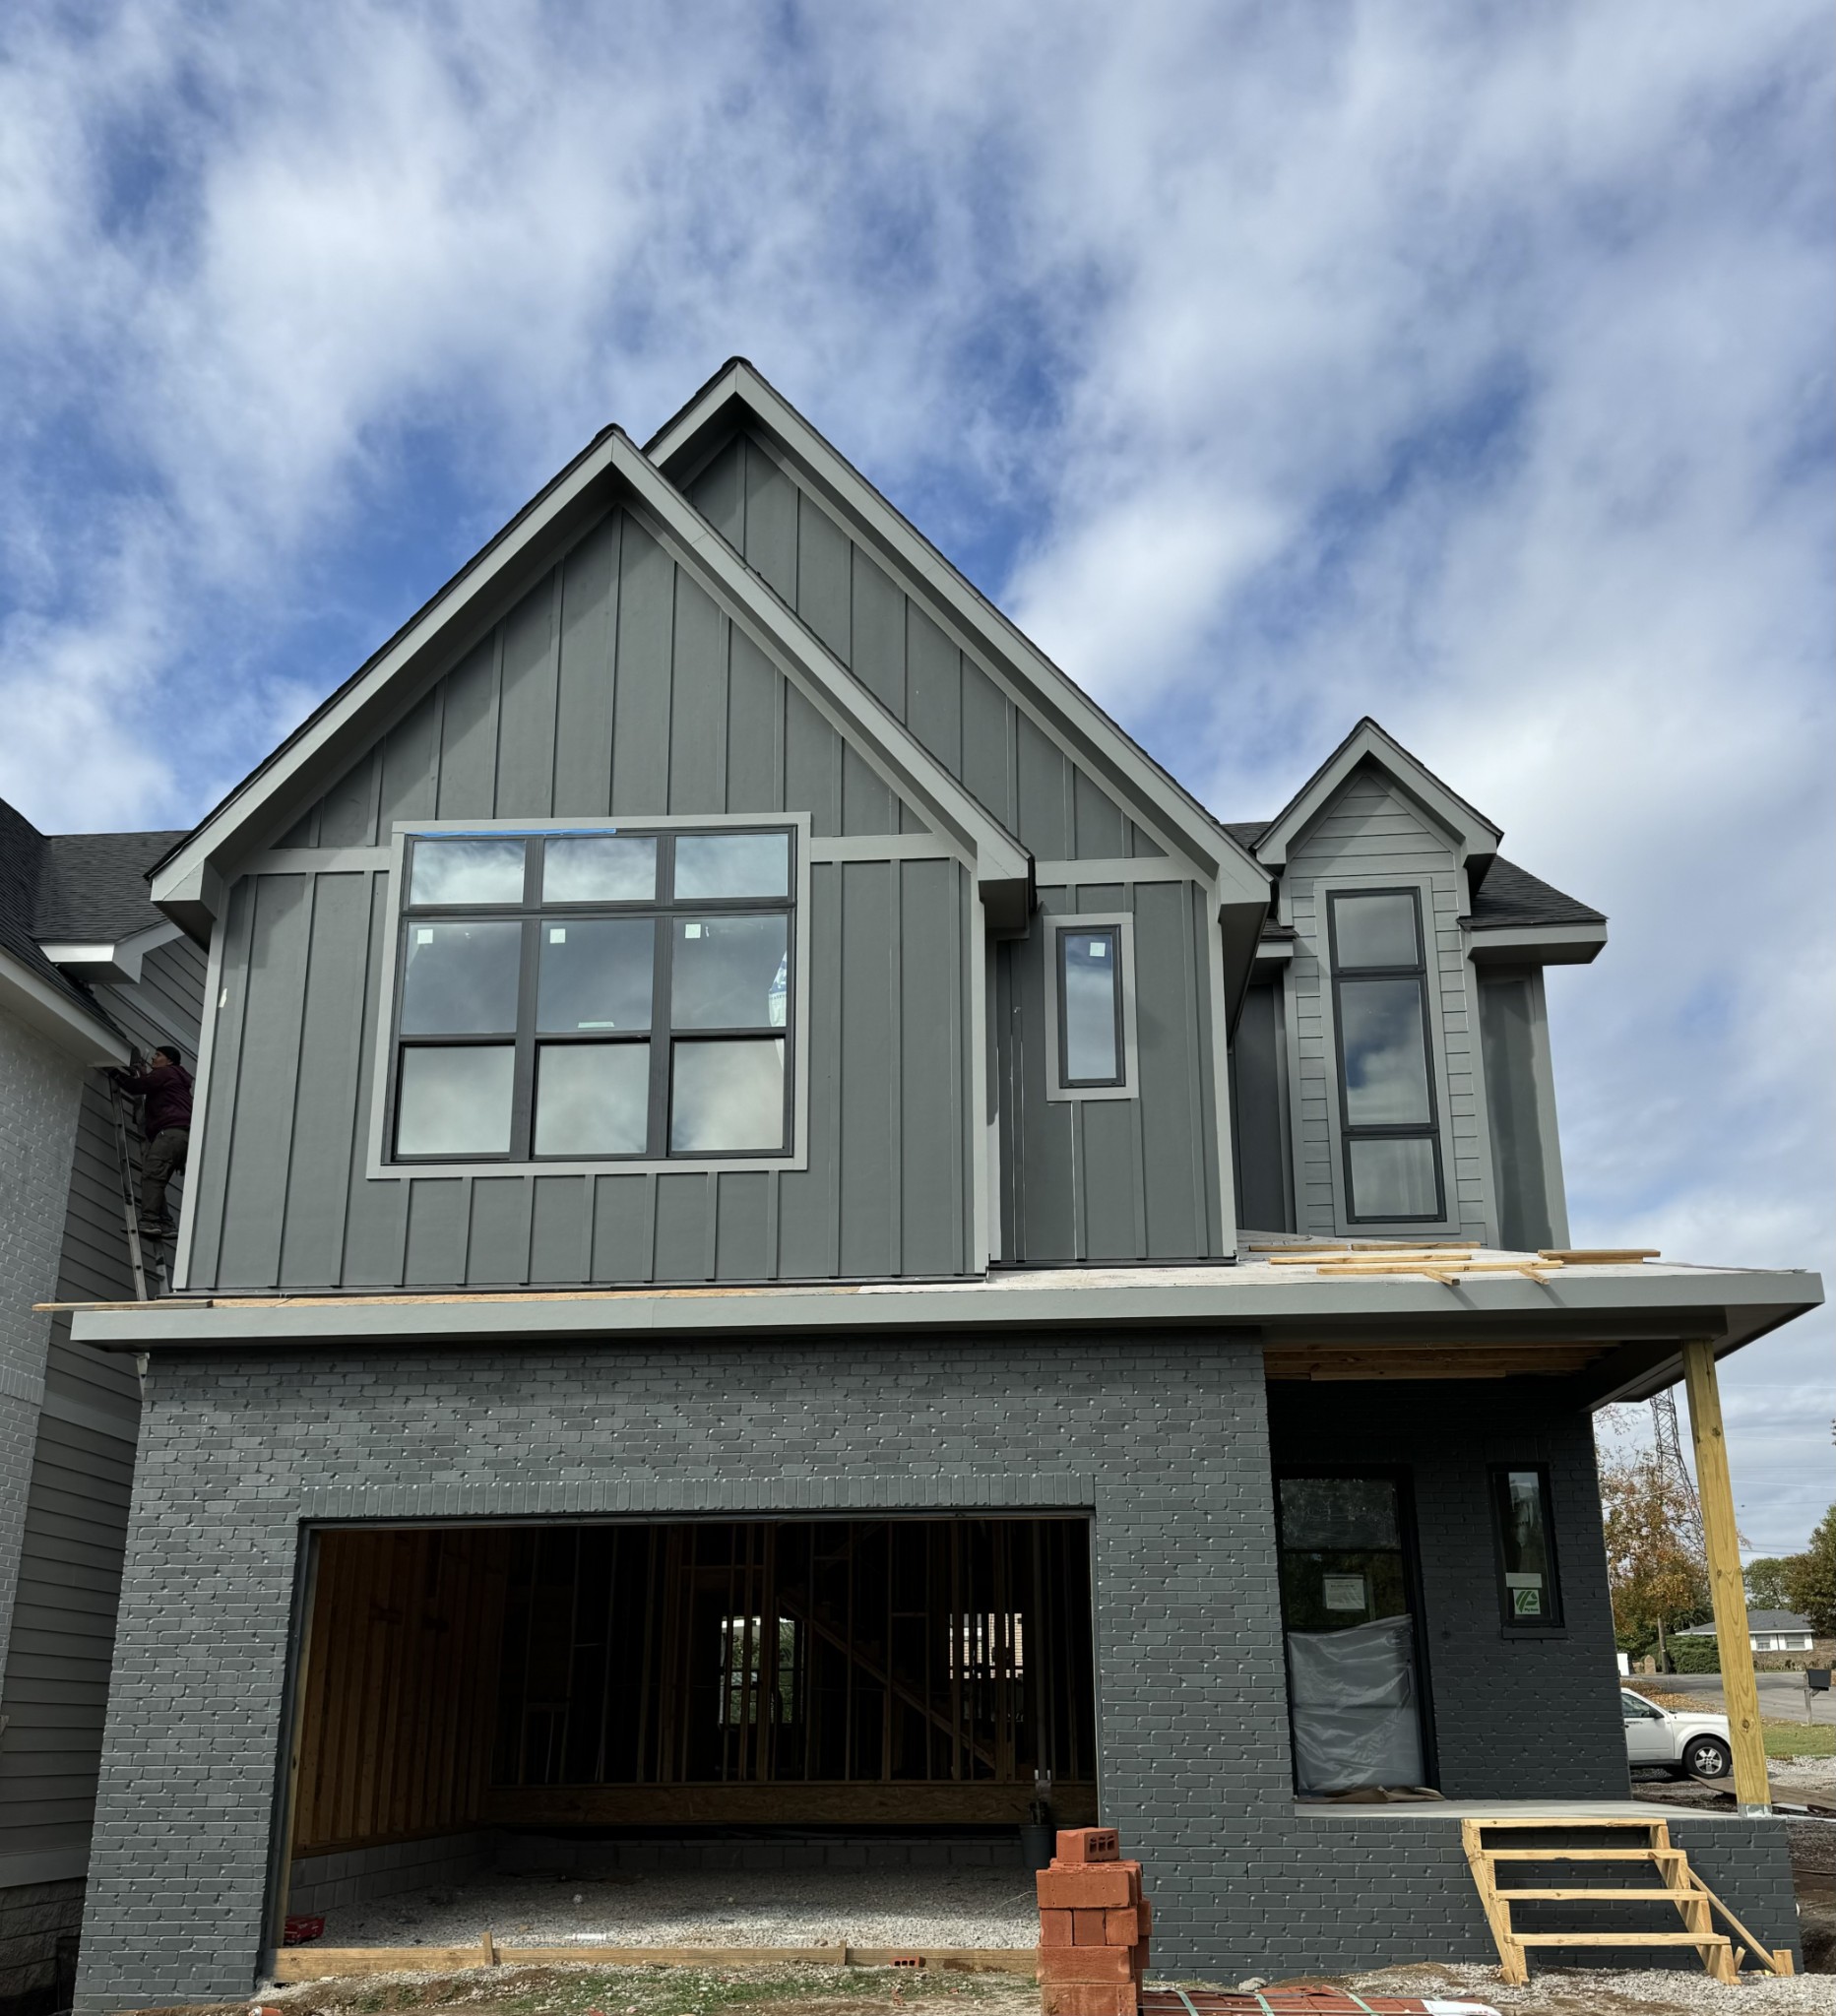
710	1908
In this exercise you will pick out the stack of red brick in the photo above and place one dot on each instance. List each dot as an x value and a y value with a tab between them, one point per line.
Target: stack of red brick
1093	1927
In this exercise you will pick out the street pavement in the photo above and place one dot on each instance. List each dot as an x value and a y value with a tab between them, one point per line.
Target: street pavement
1781	1696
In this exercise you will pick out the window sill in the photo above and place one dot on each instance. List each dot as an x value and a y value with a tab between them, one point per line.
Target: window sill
679	1166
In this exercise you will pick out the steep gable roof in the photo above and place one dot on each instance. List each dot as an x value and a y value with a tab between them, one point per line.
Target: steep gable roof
1474	836
610	471
739	394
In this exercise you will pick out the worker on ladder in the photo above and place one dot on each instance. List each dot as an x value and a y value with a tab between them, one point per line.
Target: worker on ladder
165	1125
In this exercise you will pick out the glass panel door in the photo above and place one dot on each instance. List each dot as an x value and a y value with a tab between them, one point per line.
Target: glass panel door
1348	1579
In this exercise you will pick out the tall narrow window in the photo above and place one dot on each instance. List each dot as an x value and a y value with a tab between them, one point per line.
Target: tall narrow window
1090	1047
593	995
1529	1595
1386	1082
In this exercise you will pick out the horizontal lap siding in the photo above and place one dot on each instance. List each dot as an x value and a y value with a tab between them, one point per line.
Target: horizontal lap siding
1372	829
898	650
1113	1179
285	1201
63	1635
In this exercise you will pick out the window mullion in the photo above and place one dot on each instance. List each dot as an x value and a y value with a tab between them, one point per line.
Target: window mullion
523	1096
662	1008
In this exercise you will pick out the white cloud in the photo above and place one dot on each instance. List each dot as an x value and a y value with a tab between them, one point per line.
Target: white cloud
1465	366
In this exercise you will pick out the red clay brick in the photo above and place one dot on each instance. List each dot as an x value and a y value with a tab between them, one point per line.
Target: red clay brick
1098	1887
1082	1998
1121	1927
1090	1928
1088	1845
1147	1916
1094	1964
1055	1928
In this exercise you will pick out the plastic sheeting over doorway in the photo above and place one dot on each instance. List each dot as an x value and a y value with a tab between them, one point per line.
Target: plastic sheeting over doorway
1353	1697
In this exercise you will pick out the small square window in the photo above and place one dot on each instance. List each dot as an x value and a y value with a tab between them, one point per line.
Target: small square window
727	1097
461	979
455	1100
600	868
593	1099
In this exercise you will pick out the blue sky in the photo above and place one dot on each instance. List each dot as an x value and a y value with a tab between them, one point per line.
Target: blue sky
1465	364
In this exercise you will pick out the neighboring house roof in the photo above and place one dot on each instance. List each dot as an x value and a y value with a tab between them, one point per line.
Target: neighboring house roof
1759	1623
94	885
58	888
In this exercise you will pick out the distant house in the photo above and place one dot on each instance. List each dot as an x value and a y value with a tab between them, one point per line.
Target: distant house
1772	1631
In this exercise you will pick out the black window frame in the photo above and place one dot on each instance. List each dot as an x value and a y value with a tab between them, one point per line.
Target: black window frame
528	1040
1113	933
1497	1475
1428	1130
1401	1478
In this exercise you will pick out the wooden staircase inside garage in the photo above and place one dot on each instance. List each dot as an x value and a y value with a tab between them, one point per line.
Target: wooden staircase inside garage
1624	1847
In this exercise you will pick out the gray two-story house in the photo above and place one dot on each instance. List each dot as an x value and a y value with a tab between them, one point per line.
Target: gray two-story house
784	1244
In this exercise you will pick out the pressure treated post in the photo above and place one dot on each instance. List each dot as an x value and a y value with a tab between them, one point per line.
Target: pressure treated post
1727	1584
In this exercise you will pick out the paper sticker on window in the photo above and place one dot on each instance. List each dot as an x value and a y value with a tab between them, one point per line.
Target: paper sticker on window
1517	1579
691	930
1527	1603
557	934
423	937
1099	947
1344	1593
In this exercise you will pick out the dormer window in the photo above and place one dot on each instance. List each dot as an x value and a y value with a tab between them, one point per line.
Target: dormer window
593	995
1390	1133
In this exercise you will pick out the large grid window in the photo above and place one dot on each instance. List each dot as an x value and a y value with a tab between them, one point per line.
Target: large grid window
1390	1135
594	996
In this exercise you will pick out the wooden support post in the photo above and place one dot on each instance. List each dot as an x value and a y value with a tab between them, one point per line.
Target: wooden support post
1727	1586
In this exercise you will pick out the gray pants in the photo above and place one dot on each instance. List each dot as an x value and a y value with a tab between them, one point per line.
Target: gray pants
162	1160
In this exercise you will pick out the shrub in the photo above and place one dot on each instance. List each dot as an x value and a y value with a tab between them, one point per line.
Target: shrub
1695	1656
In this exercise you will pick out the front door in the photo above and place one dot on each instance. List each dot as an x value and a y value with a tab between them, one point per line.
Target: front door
1350	1615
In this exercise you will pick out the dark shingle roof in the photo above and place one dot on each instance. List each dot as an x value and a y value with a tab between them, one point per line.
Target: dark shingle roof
1509	895
94	885
72	885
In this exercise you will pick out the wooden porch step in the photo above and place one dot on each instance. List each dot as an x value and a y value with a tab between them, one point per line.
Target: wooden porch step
1624	1939
1694	1903
1603	1896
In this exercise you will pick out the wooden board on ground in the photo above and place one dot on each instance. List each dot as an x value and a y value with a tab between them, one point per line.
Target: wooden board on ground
327	1963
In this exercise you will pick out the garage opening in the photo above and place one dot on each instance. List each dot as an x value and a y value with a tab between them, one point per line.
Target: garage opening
699	1694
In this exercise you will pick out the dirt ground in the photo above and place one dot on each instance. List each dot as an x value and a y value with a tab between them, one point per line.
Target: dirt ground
784	1991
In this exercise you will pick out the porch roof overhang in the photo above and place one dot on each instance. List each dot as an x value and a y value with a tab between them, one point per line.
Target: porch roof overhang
1616	1330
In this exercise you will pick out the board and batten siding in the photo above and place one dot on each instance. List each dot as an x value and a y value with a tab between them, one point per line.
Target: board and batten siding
615	687
284	1200
901	653
62	1643
1116	1178
1372	833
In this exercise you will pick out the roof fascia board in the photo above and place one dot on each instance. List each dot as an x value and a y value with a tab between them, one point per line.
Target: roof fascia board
1534	944
902	760
250	815
1160	804
1734	1306
1475	836
25	996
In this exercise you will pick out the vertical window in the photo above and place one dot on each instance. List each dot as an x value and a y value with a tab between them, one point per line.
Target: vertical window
1090	1008
1386	1085
1528	1596
593	995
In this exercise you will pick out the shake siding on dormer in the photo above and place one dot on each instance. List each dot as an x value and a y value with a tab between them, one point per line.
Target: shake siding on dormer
1372	834
615	688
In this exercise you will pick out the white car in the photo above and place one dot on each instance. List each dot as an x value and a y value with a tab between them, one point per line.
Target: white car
1687	1744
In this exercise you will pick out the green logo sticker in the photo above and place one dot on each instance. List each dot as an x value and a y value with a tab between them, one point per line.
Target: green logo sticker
1527	1603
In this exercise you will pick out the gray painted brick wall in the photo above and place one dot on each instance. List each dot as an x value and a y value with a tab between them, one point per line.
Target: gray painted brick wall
39	1090
1165	1440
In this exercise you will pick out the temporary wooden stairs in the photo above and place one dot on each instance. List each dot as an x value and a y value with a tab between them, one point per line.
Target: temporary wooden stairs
1610	1842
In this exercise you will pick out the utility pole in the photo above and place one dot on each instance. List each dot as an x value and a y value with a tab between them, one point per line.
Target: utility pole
1670	1441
